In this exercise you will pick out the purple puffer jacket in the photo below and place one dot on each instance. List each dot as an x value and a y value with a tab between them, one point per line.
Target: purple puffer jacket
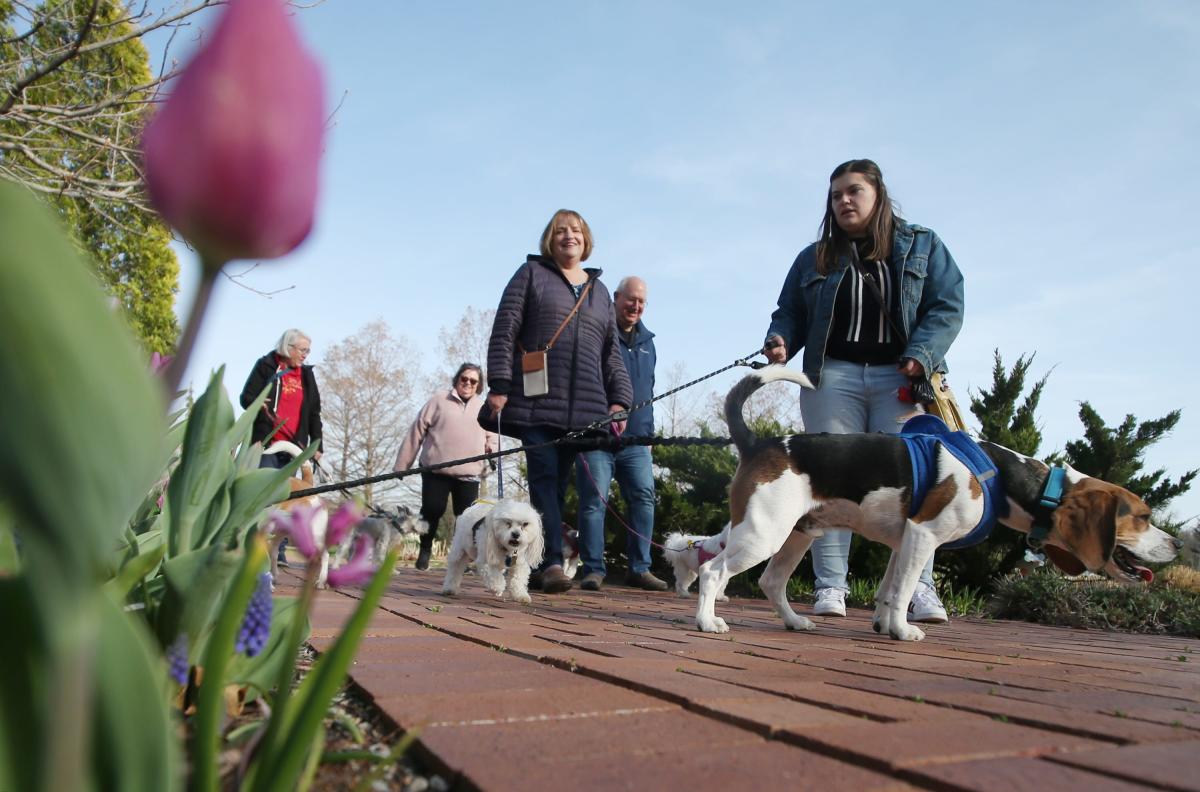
586	370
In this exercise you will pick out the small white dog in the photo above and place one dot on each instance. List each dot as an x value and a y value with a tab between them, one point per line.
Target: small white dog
504	540
385	527
688	552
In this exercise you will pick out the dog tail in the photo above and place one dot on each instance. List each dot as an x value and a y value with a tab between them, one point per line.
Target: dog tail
743	438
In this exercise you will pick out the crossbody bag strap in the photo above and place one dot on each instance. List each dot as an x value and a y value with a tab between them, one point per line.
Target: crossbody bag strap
582	296
870	282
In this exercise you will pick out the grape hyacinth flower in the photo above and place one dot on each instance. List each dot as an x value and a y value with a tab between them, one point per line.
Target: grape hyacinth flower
177	659
358	569
256	626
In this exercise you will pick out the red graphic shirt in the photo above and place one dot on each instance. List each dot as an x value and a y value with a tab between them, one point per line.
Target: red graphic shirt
287	407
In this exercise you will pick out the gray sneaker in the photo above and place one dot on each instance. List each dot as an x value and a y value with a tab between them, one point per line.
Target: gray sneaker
926	607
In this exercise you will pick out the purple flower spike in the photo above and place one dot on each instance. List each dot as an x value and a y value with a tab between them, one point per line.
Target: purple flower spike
341	521
177	659
232	156
358	569
256	626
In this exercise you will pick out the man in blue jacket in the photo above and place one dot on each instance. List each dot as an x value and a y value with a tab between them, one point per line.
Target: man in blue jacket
631	464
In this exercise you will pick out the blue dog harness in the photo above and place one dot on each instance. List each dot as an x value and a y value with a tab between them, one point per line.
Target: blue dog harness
923	435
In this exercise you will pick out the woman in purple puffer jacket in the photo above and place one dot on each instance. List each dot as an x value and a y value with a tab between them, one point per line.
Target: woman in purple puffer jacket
586	376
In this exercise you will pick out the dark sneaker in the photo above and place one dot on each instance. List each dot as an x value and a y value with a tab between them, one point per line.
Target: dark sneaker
423	558
592	581
555	581
645	580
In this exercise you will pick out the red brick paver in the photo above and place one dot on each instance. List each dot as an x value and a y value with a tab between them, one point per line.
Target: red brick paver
617	690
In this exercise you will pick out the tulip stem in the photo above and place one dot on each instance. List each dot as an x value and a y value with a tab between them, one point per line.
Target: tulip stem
204	290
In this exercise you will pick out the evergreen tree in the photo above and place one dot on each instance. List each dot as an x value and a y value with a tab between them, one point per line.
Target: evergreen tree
1000	419
1115	455
75	88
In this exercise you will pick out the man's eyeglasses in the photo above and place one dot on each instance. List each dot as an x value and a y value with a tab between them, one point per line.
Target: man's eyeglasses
468	380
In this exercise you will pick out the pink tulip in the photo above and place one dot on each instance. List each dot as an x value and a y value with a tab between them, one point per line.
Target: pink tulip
341	521
358	569
231	158
297	524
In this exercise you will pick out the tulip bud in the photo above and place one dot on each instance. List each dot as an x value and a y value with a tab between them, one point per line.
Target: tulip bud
231	158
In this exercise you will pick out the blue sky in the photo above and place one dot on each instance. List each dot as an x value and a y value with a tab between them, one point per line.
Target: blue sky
1052	146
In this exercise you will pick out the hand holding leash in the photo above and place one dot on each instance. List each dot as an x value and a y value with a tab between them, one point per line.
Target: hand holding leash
775	350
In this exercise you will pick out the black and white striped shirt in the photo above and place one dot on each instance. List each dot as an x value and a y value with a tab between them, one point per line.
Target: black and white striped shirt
860	332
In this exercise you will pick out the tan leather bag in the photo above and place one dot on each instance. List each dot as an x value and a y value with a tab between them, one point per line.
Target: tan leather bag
944	405
535	366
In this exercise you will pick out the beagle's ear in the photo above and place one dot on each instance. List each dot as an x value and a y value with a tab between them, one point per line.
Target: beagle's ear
1086	524
1068	563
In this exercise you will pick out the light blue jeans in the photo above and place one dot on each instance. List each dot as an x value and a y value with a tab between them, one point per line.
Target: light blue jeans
635	476
852	397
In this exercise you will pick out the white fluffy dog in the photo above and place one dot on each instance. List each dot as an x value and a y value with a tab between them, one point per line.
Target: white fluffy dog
504	540
688	552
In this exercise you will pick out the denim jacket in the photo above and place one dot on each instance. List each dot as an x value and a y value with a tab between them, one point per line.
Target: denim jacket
931	300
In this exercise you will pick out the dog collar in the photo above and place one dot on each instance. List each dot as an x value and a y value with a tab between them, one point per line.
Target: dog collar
1048	501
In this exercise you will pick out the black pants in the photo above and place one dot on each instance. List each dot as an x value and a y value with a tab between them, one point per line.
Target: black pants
434	491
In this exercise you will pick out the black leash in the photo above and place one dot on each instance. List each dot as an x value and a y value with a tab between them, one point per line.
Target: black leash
592	436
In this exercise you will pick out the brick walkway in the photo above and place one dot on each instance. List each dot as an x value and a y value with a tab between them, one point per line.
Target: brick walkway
616	690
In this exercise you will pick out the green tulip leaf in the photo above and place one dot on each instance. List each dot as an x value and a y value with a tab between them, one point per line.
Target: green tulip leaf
83	419
195	583
204	464
134	747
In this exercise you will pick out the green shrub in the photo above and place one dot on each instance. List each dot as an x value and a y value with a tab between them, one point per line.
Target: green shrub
1047	597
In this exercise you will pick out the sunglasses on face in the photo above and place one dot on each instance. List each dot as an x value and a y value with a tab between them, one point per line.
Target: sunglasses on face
468	380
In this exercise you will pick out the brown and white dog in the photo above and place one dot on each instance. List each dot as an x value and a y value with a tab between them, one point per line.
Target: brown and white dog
867	478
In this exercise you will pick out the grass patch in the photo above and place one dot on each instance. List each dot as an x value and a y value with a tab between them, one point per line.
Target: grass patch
1169	606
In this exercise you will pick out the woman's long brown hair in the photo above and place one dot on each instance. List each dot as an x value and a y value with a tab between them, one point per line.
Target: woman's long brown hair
834	241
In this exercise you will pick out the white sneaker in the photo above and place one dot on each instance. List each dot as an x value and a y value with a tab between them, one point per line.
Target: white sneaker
926	607
830	602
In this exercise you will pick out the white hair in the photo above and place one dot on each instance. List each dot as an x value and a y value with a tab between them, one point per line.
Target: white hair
289	337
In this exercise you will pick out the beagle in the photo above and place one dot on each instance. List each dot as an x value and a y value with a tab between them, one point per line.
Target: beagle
868	479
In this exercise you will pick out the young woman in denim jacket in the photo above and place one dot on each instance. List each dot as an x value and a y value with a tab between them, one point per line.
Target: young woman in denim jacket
851	351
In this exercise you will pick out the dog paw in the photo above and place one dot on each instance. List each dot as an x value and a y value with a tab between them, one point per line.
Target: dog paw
683	594
713	625
722	598
449	592
907	632
524	599
798	622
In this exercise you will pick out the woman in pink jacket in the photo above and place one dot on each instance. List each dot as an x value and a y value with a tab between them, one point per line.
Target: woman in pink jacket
448	428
